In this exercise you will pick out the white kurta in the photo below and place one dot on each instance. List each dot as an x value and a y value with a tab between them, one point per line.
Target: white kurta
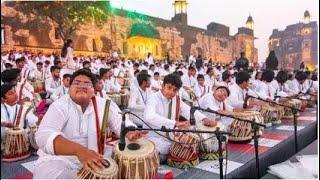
209	101
137	103
64	117
51	85
60	91
237	96
156	115
10	114
188	81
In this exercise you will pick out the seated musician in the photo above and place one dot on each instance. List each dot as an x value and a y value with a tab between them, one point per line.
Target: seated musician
98	88
13	77
111	84
138	97
68	135
14	114
217	102
266	90
239	90
54	81
165	108
201	89
63	89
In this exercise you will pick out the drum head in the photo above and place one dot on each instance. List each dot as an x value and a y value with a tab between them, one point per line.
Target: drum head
138	148
201	126
110	167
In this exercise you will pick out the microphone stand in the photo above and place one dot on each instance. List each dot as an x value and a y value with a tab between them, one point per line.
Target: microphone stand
219	134
254	125
294	112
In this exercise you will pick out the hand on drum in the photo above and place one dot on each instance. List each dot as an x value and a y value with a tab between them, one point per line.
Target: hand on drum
134	135
182	124
89	158
23	100
209	122
7	124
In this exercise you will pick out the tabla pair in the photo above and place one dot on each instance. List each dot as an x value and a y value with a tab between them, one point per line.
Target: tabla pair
272	114
16	144
189	147
121	99
139	160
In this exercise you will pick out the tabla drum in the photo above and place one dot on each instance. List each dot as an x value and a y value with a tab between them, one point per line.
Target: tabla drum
115	98
241	131
16	147
184	154
110	171
209	148
139	159
124	99
38	86
126	82
32	138
293	103
272	114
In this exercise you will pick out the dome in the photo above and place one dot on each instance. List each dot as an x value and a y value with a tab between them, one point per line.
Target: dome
144	30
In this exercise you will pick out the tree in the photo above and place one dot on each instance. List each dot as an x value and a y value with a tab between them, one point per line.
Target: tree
272	61
68	15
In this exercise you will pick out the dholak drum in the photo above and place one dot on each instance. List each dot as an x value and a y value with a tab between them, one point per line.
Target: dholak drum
271	114
32	139
209	149
294	103
16	147
110	171
139	159
115	98
241	131
186	153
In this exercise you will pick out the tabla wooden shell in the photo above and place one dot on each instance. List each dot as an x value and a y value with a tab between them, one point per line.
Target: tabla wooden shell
242	131
32	138
184	155
110	172
209	149
16	147
272	114
116	98
142	163
294	103
124	99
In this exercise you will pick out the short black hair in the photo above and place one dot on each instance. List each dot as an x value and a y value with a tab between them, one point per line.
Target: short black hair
136	65
300	76
5	88
267	75
225	75
156	74
142	77
191	68
66	76
209	70
102	71
56	62
22	59
8	65
166	66
84	72
200	76
136	72
85	63
39	63
242	76
282	77
314	77
53	68
7	76
144	71
173	79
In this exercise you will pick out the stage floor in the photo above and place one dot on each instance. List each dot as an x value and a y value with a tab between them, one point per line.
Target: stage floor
276	145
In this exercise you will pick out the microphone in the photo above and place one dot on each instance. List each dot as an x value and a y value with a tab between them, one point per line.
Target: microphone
192	118
123	131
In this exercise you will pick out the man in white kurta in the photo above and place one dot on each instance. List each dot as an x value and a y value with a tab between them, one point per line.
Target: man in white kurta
161	111
67	136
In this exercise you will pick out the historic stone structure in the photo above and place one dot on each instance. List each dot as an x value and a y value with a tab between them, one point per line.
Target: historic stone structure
134	35
297	43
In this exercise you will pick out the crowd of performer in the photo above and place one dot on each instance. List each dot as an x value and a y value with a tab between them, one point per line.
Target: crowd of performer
74	103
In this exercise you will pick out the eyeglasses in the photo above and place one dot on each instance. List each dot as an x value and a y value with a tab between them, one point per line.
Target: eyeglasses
81	84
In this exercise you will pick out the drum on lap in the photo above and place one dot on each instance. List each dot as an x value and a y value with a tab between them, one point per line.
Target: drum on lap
110	171
139	159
